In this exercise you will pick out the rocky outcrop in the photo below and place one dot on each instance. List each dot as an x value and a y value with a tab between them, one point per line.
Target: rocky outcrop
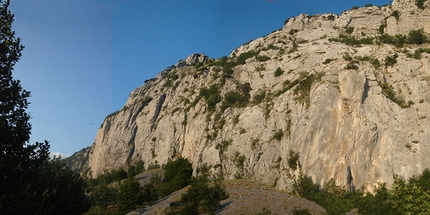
298	99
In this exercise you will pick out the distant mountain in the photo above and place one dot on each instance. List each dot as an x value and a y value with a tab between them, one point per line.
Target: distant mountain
78	161
333	96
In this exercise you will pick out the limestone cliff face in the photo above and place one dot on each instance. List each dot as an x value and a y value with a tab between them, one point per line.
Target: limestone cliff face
355	113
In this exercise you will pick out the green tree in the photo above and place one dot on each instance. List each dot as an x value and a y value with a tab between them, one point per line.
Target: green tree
201	195
150	190
136	168
408	197
63	190
19	161
305	187
103	196
177	176
30	182
130	195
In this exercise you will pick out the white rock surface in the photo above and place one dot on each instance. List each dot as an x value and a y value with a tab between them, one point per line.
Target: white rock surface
350	125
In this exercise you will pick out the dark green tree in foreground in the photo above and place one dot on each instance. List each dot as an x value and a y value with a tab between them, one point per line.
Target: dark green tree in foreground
30	183
130	195
19	161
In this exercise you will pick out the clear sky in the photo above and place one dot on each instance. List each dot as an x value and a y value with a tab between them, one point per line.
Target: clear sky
84	57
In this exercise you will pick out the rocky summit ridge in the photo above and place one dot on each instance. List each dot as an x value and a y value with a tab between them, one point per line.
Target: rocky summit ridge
333	96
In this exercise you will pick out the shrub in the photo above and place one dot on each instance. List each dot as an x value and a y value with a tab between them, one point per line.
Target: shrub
355	7
328	60
294	48
177	176
287	86
211	95
418	52
420	4
417	37
239	160
351	65
350	40
389	92
202	195
381	29
373	61
238	98
263	58
304	85
305	187
260	68
259	96
397	40
349	30
254	143
271	46
391	60
406	197
396	14
293	157
278	72
233	99
236	119
278	135
244	56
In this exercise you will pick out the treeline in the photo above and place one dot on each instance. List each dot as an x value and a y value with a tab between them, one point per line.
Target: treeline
406	196
119	192
117	174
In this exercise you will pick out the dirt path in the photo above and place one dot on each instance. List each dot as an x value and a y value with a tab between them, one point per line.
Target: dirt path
246	197
249	197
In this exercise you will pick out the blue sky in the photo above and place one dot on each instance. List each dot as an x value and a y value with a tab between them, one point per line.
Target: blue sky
83	57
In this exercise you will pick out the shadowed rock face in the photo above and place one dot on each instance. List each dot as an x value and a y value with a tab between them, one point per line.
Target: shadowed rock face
347	117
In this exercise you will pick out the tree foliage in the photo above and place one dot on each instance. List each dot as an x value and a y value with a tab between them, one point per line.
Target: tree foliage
177	176
31	183
406	196
130	194
62	189
204	195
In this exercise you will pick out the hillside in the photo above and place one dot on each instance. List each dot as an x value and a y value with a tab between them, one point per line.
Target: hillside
334	96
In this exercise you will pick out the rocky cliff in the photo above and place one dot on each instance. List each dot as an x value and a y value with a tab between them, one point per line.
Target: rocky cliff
334	96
